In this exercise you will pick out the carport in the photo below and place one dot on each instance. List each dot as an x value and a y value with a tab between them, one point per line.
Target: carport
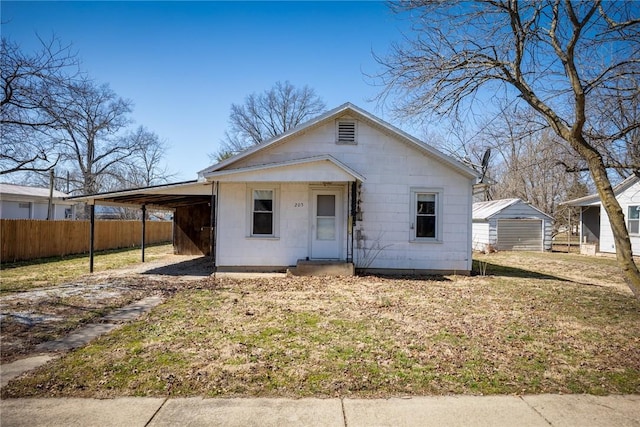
193	204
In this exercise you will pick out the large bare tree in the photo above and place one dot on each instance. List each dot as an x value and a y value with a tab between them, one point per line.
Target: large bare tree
266	115
29	82
88	118
53	115
563	58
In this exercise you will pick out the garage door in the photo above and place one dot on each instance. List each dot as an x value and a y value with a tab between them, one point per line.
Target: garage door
520	235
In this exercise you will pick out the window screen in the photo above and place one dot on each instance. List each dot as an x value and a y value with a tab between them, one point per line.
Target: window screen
262	212
326	217
633	222
425	215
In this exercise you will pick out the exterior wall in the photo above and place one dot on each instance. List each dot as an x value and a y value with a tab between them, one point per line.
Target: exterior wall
10	209
480	236
40	210
521	210
629	197
292	213
391	169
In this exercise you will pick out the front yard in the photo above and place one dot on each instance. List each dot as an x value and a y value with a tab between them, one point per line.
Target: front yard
537	323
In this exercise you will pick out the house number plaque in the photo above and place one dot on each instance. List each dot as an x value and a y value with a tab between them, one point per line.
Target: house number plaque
298	205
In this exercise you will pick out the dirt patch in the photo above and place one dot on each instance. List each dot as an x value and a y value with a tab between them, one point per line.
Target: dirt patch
31	317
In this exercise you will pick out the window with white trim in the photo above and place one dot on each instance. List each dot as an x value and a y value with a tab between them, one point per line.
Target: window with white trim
426	215
633	220
346	132
262	218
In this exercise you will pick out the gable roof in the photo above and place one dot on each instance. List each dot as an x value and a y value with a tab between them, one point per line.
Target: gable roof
358	113
594	199
485	210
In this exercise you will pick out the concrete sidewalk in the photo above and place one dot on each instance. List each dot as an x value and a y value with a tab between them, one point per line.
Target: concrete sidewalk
468	411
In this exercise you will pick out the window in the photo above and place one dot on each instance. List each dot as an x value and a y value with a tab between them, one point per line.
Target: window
262	214
633	220
426	215
346	132
326	217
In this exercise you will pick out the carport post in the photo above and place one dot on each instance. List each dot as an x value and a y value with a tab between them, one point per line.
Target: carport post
92	234
144	226
213	234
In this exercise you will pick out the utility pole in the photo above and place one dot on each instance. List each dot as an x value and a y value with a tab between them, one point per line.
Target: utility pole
51	181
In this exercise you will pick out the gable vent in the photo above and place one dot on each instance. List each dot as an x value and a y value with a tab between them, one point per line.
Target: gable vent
346	132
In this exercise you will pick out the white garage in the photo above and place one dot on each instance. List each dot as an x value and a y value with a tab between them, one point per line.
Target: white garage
510	225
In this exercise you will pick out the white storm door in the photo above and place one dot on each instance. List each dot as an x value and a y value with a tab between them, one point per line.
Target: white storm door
326	224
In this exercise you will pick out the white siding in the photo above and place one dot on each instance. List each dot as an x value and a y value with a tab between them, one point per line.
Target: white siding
40	210
480	236
391	168
629	197
238	248
10	209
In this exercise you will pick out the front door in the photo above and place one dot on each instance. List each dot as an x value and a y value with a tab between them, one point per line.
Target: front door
326	224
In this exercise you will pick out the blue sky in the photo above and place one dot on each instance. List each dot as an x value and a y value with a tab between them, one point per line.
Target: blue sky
184	63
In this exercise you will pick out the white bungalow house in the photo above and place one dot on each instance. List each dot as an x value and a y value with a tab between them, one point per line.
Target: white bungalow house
345	187
512	225
25	202
595	229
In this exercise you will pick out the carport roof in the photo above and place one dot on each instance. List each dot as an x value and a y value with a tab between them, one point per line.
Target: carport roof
168	196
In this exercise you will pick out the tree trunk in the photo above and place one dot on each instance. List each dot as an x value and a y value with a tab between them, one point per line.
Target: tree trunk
624	253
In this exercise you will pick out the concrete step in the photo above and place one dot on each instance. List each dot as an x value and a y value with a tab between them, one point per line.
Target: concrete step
323	268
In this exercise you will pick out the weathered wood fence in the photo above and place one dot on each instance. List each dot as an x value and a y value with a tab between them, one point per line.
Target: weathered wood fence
24	239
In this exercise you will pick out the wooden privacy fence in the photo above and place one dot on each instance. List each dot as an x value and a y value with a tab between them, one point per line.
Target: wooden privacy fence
24	239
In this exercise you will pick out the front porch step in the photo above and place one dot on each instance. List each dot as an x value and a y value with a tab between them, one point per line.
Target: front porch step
322	268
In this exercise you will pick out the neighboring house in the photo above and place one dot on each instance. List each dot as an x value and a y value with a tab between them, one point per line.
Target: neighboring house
510	225
595	229
345	187
24	202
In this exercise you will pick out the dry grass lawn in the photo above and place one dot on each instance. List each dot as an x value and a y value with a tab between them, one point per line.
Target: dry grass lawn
25	275
537	323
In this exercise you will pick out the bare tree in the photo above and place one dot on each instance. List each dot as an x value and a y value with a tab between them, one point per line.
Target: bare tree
266	115
29	82
52	115
87	120
560	57
145	167
528	162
